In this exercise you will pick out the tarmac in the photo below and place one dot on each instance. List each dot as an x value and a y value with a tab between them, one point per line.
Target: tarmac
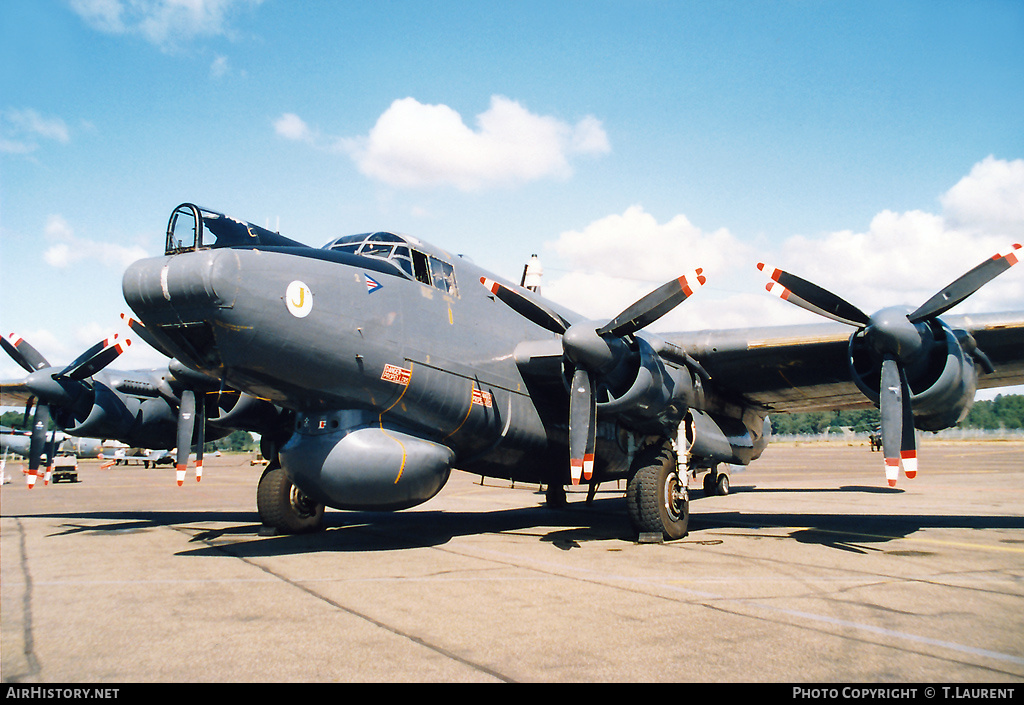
810	571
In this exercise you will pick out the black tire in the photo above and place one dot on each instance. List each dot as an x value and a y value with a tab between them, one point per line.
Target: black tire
657	497
283	506
722	486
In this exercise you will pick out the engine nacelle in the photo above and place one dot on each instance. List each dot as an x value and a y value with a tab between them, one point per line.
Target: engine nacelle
656	394
148	423
247	413
109	416
726	440
364	467
942	386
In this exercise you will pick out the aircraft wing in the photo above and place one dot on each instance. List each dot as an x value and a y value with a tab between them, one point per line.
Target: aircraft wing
805	368
14	393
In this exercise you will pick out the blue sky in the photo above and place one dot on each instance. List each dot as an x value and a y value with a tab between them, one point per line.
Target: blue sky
873	147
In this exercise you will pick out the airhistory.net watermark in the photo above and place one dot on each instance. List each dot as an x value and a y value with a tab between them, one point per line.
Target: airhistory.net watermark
38	692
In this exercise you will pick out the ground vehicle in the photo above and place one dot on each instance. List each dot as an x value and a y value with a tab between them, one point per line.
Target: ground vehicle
65	467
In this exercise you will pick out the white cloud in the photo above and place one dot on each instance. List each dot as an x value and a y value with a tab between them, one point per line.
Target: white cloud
905	258
69	249
901	258
165	23
21	130
292	127
620	258
417	145
990	198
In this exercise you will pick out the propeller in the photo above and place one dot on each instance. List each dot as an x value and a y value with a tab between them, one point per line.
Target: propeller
85	365
191	421
594	350
23	353
186	425
94	359
147	336
898	338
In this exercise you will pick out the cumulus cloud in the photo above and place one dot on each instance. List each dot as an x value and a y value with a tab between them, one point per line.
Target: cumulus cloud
905	258
990	198
68	249
417	145
900	258
619	258
165	23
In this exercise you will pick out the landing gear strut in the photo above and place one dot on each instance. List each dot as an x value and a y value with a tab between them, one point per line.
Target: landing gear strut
283	507
656	496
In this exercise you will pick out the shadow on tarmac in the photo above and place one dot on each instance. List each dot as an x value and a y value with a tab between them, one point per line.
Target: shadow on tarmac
572	527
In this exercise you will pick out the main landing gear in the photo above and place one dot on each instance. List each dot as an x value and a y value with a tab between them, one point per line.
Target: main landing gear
657	497
283	507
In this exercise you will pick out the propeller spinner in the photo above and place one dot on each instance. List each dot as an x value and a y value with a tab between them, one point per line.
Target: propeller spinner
593	350
898	338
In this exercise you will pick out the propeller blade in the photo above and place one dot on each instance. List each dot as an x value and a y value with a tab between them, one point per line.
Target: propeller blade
966	284
51	451
23	353
37	442
527	308
94	359
186	424
908	446
891	404
146	335
28	411
812	297
654	305
200	435
582	426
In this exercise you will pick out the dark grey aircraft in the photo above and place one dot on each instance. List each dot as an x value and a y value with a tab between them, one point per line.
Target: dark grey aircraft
392	361
374	365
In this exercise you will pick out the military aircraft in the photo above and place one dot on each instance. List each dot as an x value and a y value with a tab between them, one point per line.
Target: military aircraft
378	363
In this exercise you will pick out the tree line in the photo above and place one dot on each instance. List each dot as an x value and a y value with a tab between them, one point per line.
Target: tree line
1006	411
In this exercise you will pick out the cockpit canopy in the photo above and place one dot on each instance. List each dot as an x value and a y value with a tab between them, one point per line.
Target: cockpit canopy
402	253
194	228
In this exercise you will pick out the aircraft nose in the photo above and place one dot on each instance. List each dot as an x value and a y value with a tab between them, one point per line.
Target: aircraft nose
196	280
181	294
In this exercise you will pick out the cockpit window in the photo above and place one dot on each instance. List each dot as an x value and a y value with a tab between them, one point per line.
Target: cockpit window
428	270
193	228
443	275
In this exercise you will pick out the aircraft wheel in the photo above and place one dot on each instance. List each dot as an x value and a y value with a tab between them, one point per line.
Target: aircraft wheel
722	486
283	506
657	497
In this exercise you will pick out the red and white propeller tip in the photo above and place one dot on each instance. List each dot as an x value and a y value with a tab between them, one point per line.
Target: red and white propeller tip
774	287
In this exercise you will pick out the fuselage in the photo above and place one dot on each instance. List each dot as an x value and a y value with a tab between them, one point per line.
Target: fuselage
346	340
